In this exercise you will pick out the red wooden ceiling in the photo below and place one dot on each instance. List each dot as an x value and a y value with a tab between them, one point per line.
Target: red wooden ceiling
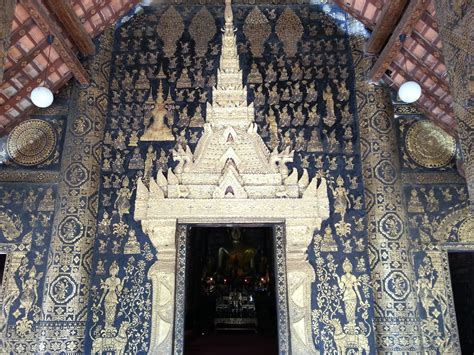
27	56
420	58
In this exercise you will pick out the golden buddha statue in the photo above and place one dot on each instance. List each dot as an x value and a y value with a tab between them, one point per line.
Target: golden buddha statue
158	130
240	260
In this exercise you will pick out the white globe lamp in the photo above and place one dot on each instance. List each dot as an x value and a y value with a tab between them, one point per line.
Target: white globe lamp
42	97
409	92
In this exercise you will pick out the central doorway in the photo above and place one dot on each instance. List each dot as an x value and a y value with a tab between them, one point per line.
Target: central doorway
230	303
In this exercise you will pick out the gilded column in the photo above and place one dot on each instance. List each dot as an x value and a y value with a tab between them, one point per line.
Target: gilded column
397	328
6	19
163	277
456	29
300	276
66	290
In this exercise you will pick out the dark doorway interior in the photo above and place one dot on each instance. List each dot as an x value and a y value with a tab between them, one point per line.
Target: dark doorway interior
461	266
3	260
230	291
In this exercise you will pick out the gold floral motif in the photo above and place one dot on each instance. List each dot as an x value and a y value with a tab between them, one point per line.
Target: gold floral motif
202	29
170	29
10	225
289	29
31	142
429	146
257	29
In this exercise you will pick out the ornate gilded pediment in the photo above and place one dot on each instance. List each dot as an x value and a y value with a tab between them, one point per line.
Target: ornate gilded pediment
230	160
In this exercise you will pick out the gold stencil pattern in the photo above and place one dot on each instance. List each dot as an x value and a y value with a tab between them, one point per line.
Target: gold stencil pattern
429	146
31	142
170	29
202	29
289	29
257	29
466	229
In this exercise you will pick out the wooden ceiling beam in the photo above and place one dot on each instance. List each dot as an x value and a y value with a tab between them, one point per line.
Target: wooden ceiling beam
351	11
11	102
425	91
25	114
391	12
426	70
423	109
119	14
427	46
25	60
71	23
42	18
22	30
410	17
7	14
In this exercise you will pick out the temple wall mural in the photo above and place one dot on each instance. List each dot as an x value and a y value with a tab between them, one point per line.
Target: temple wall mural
91	276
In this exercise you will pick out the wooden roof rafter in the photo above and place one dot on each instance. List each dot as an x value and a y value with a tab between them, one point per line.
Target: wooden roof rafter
27	55
25	60
72	25
391	12
40	15
418	58
412	14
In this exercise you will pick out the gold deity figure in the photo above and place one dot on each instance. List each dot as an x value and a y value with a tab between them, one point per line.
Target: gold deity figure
349	285
330	117
29	292
112	287
341	198
122	203
197	120
47	203
132	246
159	130
254	76
149	161
239	261
184	82
273	129
328	243
414	204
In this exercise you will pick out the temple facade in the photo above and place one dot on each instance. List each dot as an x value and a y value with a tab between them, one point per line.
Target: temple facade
223	116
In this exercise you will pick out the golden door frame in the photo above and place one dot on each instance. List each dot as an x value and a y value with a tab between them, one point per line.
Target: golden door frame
294	293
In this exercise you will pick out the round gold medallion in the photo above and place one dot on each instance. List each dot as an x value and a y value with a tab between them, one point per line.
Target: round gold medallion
429	146
31	142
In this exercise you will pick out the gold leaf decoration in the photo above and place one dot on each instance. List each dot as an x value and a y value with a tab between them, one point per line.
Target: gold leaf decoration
202	29
429	146
257	29
31	142
289	29
170	29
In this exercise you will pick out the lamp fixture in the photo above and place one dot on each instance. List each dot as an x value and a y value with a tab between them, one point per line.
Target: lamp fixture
42	96
410	91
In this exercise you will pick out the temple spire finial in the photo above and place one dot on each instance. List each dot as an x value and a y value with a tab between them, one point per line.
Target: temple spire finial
159	95
229	17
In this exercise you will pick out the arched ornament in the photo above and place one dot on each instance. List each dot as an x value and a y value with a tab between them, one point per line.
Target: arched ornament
290	30
459	221
202	30
257	29
170	29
